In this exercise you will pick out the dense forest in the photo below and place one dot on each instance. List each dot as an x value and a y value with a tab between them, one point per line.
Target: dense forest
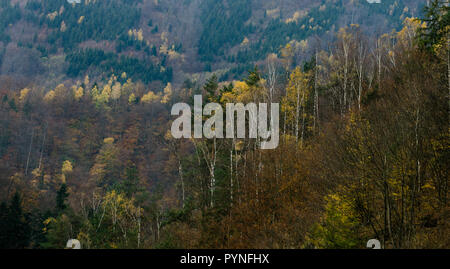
191	38
86	152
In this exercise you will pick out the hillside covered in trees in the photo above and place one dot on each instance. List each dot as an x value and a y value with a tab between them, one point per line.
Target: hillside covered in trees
151	40
86	152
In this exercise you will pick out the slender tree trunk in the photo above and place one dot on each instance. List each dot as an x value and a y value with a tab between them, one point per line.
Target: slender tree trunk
316	95
345	47
360	73
378	58
42	149
231	170
213	173
297	114
180	172
303	120
29	152
139	228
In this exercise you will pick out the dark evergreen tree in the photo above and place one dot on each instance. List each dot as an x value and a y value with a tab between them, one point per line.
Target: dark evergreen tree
253	78
61	197
437	17
15	226
130	185
3	225
210	88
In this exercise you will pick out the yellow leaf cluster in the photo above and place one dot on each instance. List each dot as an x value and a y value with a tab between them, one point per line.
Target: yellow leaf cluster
23	94
78	92
108	140
167	94
132	98
49	96
63	27
136	34
52	15
150	97
66	167
116	91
